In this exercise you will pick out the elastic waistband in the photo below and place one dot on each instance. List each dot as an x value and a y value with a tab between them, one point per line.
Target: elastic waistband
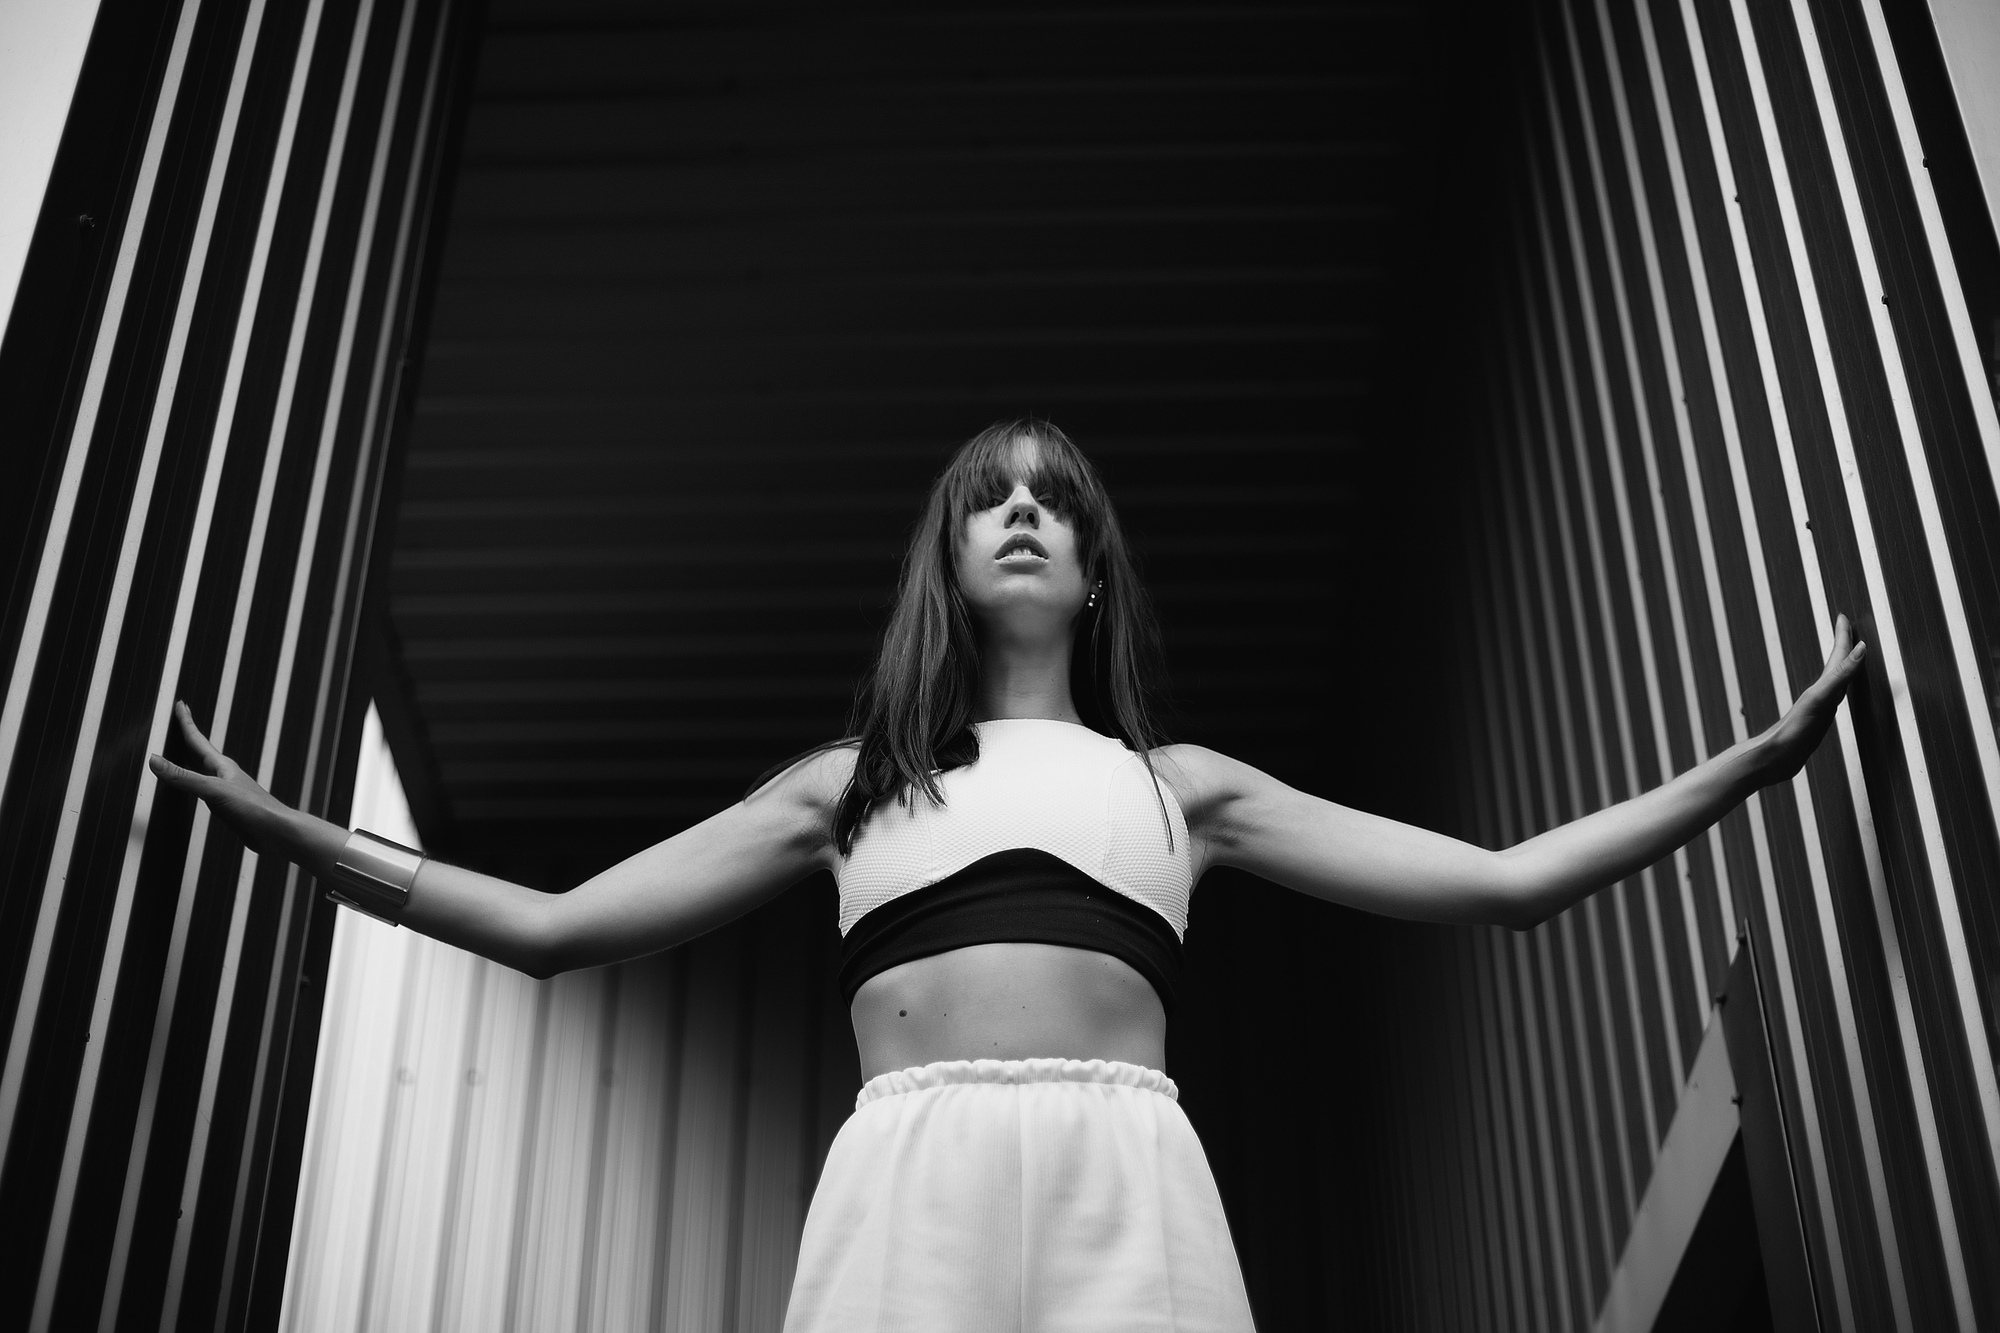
947	1072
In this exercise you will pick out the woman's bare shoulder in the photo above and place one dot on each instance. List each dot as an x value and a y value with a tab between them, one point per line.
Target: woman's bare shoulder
1199	777
796	803
814	780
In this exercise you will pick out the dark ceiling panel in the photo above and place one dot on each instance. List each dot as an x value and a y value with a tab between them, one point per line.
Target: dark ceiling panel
724	286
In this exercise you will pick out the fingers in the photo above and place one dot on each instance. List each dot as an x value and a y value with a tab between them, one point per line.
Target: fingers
211	757
207	785
1842	662
171	773
1847	649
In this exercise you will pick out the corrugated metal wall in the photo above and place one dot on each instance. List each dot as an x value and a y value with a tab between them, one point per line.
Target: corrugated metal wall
1734	388
202	371
629	1147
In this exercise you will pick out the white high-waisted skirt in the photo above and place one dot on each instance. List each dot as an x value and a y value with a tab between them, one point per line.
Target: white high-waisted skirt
1030	1196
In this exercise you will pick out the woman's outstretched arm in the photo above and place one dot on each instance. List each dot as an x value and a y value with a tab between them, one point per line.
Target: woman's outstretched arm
673	891
1242	817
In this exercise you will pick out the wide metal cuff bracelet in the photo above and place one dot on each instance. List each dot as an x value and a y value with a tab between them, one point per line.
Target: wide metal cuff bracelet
374	875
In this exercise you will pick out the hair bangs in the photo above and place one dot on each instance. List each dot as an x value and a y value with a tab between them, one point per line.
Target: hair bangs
1038	455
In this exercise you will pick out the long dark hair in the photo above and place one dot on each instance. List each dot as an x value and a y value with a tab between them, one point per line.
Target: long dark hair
913	713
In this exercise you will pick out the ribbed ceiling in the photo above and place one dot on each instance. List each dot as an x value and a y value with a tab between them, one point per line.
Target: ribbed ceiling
723	286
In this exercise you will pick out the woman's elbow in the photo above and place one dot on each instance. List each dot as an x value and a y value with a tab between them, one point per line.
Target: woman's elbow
537	966
548	953
1517	912
1514	901
530	957
536	945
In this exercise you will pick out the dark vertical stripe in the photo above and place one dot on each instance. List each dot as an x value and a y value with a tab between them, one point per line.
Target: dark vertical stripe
134	1191
739	1118
394	1112
321	261
15	708
524	1166
670	1132
170	679
1637	600
27	649
600	1117
338	643
818	982
465	1078
119	617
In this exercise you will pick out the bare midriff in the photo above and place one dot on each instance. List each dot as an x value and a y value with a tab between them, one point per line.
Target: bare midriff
1008	1002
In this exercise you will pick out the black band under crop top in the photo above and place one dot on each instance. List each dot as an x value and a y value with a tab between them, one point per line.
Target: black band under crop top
1055	835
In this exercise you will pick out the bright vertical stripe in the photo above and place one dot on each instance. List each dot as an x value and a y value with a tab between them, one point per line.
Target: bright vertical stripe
1516	1182
1610	436
204	227
55	542
27	653
1627	533
1636	389
1555	436
1964	655
1548	1282
165	396
1830	948
1889	641
1601	761
225	420
1559	809
281	682
1607	186
1912	1046
1964	341
359	270
1578	805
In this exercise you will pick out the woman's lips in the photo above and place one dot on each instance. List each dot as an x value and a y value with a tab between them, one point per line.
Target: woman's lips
1021	547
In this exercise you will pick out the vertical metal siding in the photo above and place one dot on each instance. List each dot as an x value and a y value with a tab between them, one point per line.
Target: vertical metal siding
625	1148
198	526
631	1147
1733	390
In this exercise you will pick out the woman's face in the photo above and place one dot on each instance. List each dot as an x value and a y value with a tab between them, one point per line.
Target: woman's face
1020	567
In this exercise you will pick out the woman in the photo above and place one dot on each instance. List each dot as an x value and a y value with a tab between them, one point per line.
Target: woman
1015	849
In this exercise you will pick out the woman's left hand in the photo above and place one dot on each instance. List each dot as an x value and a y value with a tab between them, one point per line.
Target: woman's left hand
1785	748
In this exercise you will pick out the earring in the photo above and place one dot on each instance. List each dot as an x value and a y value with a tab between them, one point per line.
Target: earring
1095	588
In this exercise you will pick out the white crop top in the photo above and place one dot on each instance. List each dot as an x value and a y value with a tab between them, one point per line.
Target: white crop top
1053	786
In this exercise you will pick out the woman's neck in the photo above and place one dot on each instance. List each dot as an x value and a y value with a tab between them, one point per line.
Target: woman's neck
1025	680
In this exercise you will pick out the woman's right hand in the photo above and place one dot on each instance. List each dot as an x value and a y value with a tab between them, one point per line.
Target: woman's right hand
264	822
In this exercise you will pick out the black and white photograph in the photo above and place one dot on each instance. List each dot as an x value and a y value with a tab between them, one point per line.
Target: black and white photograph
999	666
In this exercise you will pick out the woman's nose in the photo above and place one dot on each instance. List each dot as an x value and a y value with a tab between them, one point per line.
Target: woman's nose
1021	508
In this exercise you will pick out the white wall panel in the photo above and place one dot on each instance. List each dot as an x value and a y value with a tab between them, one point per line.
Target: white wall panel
620	1148
42	43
